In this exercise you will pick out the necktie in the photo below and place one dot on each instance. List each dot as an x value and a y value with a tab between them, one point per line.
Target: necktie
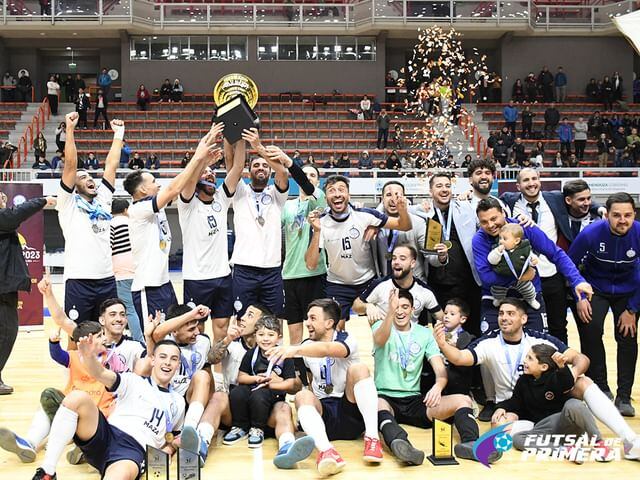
534	210
575	227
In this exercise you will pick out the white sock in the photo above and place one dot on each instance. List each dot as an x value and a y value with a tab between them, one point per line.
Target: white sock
39	429
285	438
312	423
605	411
195	411
367	400
206	431
63	428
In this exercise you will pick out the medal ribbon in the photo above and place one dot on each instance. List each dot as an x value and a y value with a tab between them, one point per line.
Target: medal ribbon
167	414
327	371
513	369
392	240
403	351
189	369
257	200
446	229
507	259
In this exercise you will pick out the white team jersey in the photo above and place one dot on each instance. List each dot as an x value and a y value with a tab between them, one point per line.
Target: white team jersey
192	358
504	360
349	257
128	351
423	298
231	362
339	367
257	245
150	244
87	244
142	409
204	237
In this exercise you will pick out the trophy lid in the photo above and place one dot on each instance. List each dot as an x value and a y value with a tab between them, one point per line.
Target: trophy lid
234	84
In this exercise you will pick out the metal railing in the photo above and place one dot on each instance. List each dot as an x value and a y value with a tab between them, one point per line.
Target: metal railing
348	15
32	131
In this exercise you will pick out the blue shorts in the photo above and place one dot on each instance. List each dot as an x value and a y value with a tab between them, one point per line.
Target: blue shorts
108	445
258	285
342	419
536	319
217	294
82	298
158	298
345	295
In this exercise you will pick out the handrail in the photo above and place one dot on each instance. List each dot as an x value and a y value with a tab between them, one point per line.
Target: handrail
37	123
472	133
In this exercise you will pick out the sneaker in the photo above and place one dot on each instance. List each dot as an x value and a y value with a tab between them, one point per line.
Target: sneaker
50	401
575	455
75	456
329	462
42	475
405	452
372	450
632	449
487	412
256	437
624	407
604	452
294	452
234	436
11	442
465	450
190	440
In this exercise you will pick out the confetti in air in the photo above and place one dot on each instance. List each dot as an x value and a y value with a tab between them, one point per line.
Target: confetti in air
443	76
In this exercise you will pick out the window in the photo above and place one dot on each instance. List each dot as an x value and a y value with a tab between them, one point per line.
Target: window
267	48
316	48
199	47
140	49
366	48
287	48
159	49
237	48
307	48
327	48
346	48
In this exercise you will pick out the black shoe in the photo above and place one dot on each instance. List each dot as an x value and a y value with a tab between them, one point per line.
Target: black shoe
404	451
41	475
5	389
487	411
465	450
624	407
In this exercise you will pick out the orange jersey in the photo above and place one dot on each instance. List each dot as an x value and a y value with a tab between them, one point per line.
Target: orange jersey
79	379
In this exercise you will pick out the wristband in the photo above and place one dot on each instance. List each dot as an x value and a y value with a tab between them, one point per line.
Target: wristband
119	134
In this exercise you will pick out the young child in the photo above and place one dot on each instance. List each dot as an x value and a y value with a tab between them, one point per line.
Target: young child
541	396
260	385
512	257
456	313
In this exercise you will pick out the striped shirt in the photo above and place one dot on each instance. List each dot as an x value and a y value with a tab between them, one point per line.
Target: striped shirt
122	257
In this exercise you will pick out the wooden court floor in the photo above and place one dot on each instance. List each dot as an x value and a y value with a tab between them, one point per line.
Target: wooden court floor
30	370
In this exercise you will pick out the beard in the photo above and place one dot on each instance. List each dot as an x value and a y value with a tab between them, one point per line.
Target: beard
482	190
401	275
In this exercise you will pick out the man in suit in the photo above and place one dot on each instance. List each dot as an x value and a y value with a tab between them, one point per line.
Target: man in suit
550	212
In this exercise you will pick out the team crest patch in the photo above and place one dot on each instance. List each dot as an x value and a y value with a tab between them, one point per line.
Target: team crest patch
354	233
414	348
266	199
549	396
631	253
216	207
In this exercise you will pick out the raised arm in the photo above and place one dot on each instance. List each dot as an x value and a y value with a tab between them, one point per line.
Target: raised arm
382	333
11	218
309	349
312	255
70	151
239	153
281	178
168	326
205	154
276	154
112	162
56	311
88	348
403	220
461	358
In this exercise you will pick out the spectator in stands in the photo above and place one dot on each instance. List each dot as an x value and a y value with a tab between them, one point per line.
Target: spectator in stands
531	87
153	162
61	135
565	135
405	161
440	152
376	108
136	163
9	83
383	121
595	124
125	153
382	165
24	86
144	97
527	122
331	163
104	82
92	162
466	161
165	91
605	147
607	94
365	162
398	137
500	153
70	90
101	109
518	152
41	164
560	82
177	91
297	159
496	89
581	128
83	104
493	139
592	91
572	161
633	146
510	115
551	120
365	107
186	159
616	82
80	84
45	7
620	144
40	147
53	93
57	162
636	90
344	161
517	91
537	158
311	160
545	80
507	137
393	161
558	161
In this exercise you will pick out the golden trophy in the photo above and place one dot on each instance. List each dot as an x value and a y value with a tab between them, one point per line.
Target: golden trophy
236	95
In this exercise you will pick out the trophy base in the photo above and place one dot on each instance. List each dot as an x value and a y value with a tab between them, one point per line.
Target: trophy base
442	461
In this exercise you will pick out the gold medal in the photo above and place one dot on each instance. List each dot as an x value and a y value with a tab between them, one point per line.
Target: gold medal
163	244
169	437
404	373
261	221
448	244
328	389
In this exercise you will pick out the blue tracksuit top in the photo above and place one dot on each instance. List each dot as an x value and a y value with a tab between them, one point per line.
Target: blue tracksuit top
510	114
608	261
483	243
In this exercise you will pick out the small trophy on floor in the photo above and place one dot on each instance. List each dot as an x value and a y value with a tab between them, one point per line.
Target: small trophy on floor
188	465
157	464
442	438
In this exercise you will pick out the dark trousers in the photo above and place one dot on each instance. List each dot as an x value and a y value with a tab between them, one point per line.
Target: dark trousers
549	130
511	126
383	136
103	112
251	409
82	118
580	146
8	326
258	285
592	346
526	130
565	149
53	103
554	293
